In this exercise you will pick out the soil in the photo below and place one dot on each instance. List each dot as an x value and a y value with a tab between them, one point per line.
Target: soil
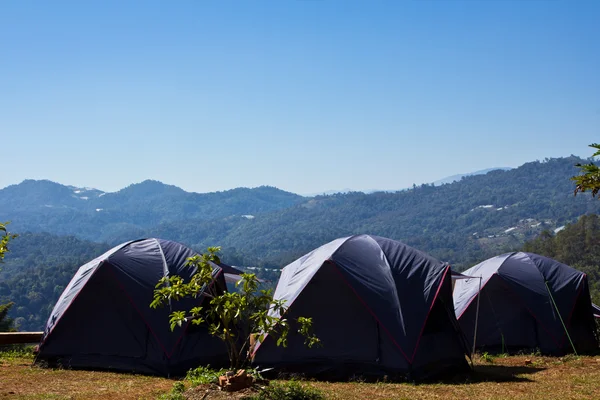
213	392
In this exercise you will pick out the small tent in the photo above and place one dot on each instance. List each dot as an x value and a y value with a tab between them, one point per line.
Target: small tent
379	307
103	318
524	301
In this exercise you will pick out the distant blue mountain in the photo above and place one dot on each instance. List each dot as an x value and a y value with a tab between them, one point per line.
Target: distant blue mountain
449	179
46	206
456	178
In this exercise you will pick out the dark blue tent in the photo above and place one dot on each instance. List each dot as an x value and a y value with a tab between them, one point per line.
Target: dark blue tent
379	308
103	318
526	302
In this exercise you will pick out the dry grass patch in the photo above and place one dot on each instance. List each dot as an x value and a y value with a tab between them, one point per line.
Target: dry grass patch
20	380
514	378
506	378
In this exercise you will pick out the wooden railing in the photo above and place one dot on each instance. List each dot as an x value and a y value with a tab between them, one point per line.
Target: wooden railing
20	337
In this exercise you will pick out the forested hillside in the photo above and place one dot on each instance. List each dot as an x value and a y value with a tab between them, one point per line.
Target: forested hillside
462	223
37	269
91	214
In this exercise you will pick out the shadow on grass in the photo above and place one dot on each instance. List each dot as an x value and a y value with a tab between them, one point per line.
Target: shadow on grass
495	373
480	373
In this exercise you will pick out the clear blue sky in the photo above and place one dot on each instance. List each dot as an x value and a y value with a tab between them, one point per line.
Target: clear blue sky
305	95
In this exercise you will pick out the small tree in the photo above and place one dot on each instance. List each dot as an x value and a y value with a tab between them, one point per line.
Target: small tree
6	323
231	317
590	177
4	239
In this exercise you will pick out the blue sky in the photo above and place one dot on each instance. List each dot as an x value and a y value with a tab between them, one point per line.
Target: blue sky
305	95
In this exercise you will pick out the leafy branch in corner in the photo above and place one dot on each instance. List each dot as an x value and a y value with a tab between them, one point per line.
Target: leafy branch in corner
6	323
4	239
590	175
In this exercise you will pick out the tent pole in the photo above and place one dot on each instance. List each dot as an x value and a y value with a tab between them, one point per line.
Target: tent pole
560	317
497	324
476	319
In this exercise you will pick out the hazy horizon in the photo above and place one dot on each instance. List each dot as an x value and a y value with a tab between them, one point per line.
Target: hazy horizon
308	194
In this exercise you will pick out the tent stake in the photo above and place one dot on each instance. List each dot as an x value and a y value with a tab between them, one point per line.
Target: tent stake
560	317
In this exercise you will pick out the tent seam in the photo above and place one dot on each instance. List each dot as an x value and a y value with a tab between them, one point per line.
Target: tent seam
486	282
257	346
437	292
369	310
70	304
478	294
166	272
103	261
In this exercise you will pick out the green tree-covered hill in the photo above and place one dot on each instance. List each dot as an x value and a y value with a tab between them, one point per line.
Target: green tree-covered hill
462	223
36	271
45	206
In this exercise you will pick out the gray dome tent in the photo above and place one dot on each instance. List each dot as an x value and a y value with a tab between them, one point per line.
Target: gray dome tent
103	319
379	308
526	302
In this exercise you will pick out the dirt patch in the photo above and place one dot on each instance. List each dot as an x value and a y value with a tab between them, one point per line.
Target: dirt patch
213	392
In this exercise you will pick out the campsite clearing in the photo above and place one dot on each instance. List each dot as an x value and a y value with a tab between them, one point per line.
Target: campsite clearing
516	377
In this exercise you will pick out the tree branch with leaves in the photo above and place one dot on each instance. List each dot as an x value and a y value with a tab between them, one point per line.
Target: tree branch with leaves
590	175
5	237
232	317
6	323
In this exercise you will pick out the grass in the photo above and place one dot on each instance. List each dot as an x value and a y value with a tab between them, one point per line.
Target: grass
203	376
290	390
20	380
508	377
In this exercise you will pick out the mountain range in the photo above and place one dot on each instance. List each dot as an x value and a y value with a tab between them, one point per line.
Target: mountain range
459	221
443	181
98	216
456	178
463	222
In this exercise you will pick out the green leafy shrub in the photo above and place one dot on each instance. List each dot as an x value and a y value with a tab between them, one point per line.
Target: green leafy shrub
6	323
233	317
203	375
590	175
291	390
5	237
176	392
487	357
12	352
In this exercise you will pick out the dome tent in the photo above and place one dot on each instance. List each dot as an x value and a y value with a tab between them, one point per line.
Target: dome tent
103	318
379	307
526	302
